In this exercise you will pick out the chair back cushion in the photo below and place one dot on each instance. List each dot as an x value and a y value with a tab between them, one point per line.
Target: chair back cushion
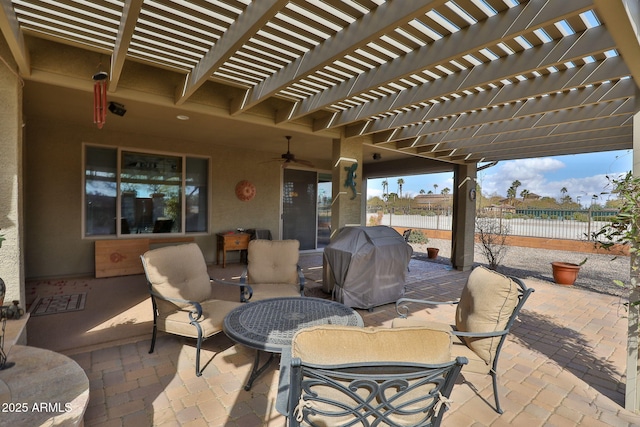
334	344
178	272
486	304
273	261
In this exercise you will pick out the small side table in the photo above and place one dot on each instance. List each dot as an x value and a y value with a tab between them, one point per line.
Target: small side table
230	242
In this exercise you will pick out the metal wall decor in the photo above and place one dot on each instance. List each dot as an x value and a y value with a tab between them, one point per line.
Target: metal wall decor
245	190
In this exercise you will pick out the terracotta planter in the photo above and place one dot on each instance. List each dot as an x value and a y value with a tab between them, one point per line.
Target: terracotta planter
565	273
432	252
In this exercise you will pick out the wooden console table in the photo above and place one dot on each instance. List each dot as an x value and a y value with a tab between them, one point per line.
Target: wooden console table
230	242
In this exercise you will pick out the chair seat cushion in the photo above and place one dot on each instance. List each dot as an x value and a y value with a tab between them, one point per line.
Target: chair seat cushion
458	347
334	344
213	313
274	290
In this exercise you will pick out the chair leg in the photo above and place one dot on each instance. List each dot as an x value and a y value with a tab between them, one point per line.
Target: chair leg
198	346
153	337
494	377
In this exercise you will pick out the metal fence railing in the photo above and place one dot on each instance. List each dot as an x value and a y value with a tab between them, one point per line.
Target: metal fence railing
548	223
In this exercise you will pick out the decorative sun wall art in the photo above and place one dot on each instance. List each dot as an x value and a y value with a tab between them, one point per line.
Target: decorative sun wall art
245	190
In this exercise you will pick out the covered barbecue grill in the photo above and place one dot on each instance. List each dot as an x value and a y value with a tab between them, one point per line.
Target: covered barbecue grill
366	266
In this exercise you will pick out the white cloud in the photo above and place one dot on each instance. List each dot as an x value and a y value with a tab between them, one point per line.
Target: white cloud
530	173
373	192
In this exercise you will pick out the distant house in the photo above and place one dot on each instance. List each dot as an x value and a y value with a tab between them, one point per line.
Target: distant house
423	200
502	207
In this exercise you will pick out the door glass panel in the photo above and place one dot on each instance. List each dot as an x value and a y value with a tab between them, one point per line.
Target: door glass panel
197	191
299	207
324	209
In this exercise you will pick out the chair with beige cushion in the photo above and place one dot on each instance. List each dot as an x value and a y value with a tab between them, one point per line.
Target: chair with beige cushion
342	375
185	301
488	307
272	269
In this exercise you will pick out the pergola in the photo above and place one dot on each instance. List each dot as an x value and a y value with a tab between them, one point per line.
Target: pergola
461	82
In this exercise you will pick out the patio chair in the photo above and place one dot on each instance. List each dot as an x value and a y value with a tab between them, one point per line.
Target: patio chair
485	312
343	375
407	234
272	269
185	302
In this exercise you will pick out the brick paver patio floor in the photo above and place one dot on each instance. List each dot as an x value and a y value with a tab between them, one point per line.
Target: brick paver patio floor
563	365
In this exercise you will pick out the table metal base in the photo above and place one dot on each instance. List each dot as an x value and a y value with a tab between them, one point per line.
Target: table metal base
255	371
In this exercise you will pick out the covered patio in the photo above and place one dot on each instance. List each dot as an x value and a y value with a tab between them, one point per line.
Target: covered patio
367	88
562	365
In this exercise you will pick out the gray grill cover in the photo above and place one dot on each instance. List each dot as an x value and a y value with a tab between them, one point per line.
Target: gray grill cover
367	266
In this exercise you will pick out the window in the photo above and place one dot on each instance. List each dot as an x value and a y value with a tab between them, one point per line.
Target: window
128	192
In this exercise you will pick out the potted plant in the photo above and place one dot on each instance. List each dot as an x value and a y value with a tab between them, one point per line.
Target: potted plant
432	253
566	273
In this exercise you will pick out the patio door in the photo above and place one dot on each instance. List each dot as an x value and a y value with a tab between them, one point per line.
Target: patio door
299	207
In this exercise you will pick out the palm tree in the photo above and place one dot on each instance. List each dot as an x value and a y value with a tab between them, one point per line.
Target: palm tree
445	191
513	190
435	188
385	190
564	192
400	184
524	193
422	191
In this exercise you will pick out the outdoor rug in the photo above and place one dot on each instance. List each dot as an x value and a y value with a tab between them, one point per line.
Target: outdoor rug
58	304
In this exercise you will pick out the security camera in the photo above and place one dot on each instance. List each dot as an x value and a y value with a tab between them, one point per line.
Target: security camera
117	109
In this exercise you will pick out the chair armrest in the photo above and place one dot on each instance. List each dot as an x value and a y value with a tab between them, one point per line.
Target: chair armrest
403	310
197	307
479	334
302	280
246	292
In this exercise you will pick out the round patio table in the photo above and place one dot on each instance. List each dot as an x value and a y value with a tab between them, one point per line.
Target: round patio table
269	324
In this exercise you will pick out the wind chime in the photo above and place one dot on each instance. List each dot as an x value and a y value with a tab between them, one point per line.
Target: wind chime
100	98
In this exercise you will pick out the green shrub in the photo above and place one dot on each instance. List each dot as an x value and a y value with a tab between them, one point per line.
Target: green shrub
418	237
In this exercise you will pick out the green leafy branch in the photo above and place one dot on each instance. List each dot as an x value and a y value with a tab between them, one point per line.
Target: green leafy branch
624	228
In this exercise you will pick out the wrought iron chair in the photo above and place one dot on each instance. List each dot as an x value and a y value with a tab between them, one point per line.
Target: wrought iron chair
272	269
488	307
184	300
349	376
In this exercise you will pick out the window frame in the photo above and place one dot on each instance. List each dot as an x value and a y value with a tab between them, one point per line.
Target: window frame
118	214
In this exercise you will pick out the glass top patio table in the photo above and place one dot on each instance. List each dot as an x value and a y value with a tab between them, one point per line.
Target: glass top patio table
269	325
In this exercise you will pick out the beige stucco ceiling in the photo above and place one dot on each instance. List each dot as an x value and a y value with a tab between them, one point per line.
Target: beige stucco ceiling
464	81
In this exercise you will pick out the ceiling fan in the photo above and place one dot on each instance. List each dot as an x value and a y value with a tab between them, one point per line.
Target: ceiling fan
288	158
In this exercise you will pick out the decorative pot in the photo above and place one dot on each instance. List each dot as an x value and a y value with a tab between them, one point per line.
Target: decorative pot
432	253
565	273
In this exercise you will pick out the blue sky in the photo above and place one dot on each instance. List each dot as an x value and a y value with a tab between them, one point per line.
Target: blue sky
582	174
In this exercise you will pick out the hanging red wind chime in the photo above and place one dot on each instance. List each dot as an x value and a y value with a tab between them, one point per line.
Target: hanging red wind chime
100	98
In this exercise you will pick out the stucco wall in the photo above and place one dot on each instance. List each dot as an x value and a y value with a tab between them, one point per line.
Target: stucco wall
11	254
55	245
